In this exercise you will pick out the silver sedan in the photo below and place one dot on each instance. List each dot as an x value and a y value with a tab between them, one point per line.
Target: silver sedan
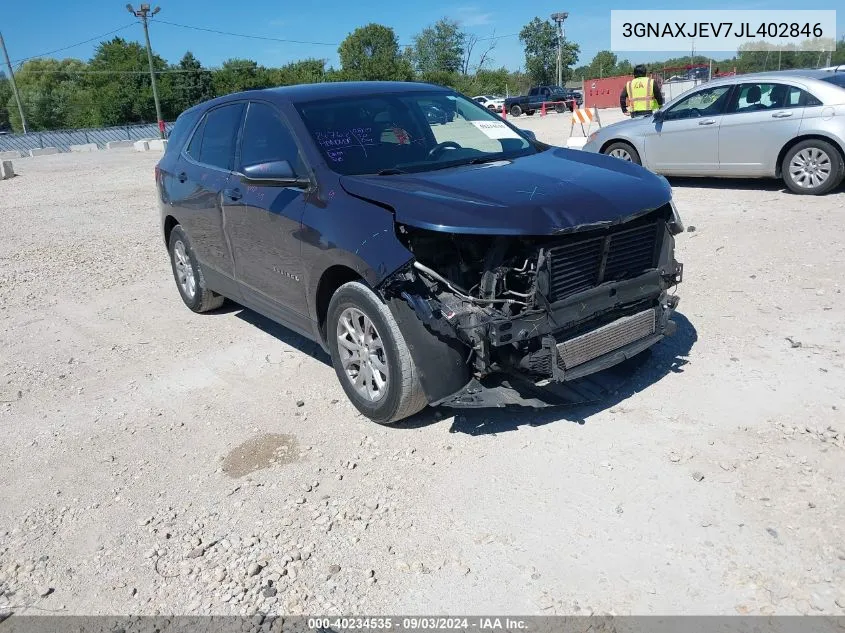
788	125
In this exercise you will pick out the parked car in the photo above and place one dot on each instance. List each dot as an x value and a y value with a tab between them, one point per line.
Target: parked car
424	258
788	125
489	102
561	98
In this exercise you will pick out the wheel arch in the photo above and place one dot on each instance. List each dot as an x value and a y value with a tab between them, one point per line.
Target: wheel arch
805	137
169	224
331	279
617	139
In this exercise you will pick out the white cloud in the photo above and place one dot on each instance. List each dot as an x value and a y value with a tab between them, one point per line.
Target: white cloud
472	16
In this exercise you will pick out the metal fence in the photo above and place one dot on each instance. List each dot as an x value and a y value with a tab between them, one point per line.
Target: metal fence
63	139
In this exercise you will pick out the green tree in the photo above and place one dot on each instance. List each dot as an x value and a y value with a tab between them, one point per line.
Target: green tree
603	64
120	87
539	38
192	84
52	94
371	53
6	101
439	48
304	71
240	74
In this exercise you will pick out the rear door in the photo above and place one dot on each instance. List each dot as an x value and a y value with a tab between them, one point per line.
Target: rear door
686	140
263	222
203	175
760	119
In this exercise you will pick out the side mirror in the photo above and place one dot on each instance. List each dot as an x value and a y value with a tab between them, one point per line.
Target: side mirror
659	115
278	173
529	133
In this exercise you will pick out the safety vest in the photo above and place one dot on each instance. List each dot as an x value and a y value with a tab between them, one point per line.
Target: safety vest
640	91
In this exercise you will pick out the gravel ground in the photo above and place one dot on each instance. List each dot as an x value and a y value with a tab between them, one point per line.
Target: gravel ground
159	461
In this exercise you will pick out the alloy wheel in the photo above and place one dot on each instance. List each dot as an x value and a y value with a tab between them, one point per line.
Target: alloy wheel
362	354
184	270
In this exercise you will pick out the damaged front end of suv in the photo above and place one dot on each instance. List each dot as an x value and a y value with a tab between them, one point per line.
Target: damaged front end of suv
539	309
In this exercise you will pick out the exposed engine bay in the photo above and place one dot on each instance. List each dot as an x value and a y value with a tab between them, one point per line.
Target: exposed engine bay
548	307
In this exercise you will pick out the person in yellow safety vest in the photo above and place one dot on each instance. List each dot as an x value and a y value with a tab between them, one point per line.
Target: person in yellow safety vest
641	96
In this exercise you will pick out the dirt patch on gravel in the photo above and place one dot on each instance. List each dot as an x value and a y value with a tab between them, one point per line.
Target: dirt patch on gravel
265	451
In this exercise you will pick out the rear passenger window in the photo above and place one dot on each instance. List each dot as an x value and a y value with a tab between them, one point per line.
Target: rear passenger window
267	138
195	145
219	133
180	130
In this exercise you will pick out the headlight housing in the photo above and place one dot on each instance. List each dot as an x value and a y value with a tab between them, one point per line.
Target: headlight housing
676	225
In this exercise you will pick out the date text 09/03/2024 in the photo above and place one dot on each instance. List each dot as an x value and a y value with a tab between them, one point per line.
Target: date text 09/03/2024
417	623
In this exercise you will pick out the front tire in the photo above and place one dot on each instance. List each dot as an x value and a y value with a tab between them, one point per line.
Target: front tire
516	110
370	356
623	151
812	167
188	275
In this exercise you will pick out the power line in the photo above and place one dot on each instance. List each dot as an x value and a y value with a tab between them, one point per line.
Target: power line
64	48
252	37
288	41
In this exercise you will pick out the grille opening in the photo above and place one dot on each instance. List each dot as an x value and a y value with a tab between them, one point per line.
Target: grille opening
620	253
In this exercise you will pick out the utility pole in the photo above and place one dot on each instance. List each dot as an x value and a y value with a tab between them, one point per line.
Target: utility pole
144	13
12	82
559	18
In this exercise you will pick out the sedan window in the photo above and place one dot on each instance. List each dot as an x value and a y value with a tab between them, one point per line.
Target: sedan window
753	97
707	102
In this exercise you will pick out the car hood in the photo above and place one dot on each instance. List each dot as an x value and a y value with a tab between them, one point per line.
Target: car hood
547	193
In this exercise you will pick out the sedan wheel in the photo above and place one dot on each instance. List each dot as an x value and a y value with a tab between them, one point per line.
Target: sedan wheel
812	167
623	151
362	354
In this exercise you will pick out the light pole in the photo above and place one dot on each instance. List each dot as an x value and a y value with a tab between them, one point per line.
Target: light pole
144	13
12	83
559	18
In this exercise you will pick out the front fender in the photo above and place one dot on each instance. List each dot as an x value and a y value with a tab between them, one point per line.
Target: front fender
349	232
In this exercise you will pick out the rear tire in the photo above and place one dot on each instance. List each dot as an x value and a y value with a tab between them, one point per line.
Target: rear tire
370	356
812	167
188	275
516	110
623	151
560	108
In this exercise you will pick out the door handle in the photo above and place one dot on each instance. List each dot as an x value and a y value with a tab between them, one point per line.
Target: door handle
182	176
232	194
781	115
707	122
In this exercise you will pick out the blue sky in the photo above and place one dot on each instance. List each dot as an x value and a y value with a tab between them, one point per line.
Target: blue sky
38	26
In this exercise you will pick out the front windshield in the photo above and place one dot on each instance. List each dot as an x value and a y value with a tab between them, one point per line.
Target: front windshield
407	132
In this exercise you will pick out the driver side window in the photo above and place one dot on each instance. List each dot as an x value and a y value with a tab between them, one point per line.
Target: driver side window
707	102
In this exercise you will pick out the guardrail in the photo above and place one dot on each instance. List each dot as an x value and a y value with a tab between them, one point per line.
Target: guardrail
63	139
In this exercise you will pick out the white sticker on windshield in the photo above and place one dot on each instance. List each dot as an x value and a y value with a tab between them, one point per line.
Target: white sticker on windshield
495	129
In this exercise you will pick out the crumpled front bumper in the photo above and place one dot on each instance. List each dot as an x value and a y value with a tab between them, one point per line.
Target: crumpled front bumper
559	387
576	337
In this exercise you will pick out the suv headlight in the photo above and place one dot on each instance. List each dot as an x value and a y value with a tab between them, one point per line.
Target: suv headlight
676	225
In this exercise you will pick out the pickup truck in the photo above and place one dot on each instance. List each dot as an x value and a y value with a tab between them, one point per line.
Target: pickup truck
533	101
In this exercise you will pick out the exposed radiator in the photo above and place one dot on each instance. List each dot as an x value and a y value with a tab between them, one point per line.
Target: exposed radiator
607	338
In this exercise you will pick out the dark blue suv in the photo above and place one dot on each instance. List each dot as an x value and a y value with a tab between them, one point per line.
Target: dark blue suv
427	254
